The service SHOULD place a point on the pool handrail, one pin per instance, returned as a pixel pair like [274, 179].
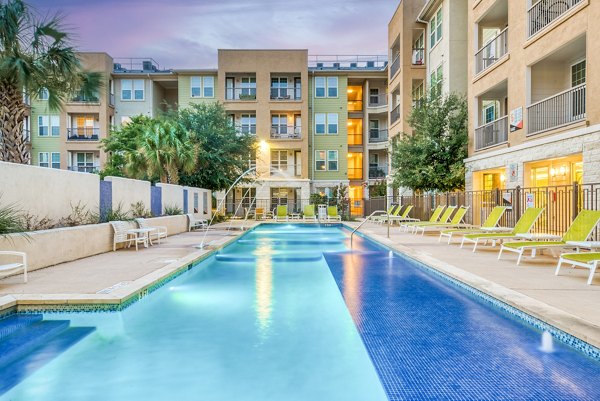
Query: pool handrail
[383, 212]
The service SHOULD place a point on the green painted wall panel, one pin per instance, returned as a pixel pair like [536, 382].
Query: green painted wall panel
[185, 97]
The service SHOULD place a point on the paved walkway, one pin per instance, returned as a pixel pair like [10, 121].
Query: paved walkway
[565, 301]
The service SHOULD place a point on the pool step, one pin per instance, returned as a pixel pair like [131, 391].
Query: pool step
[16, 322]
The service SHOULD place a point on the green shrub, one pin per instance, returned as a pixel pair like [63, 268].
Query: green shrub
[172, 210]
[138, 209]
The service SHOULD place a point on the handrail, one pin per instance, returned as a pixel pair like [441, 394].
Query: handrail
[571, 89]
[367, 219]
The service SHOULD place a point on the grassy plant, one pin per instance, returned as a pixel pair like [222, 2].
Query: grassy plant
[172, 210]
[35, 223]
[80, 215]
[11, 220]
[138, 209]
[116, 214]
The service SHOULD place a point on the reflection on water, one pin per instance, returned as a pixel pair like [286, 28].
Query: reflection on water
[352, 286]
[263, 303]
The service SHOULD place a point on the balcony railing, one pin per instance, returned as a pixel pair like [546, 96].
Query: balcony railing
[378, 135]
[561, 109]
[82, 98]
[26, 136]
[246, 129]
[492, 51]
[285, 132]
[355, 173]
[542, 13]
[240, 93]
[395, 114]
[378, 100]
[355, 105]
[111, 99]
[83, 134]
[85, 169]
[395, 67]
[286, 93]
[418, 56]
[492, 133]
[379, 171]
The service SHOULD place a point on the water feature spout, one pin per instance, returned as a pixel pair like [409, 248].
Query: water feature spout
[547, 342]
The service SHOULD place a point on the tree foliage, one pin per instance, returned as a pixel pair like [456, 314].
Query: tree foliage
[35, 53]
[431, 158]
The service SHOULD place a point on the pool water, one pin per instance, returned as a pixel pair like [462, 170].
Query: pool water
[288, 312]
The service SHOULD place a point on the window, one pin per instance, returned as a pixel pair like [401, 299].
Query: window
[578, 73]
[85, 160]
[208, 85]
[279, 160]
[435, 28]
[417, 94]
[48, 125]
[373, 96]
[320, 119]
[436, 79]
[249, 123]
[279, 124]
[248, 88]
[332, 87]
[202, 86]
[279, 88]
[196, 86]
[44, 94]
[55, 160]
[43, 159]
[319, 87]
[332, 160]
[332, 123]
[132, 89]
[320, 162]
[489, 112]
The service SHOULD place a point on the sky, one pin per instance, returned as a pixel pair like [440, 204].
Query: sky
[187, 33]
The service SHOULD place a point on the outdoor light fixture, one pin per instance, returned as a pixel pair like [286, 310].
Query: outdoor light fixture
[502, 177]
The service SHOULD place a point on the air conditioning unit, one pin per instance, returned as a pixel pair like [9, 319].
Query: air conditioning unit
[319, 65]
[147, 65]
[336, 65]
[117, 66]
[370, 64]
[353, 65]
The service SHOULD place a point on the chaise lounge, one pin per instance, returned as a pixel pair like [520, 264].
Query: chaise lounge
[490, 223]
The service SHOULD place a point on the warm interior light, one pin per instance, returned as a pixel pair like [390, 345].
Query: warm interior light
[264, 146]
[350, 90]
[350, 123]
[552, 172]
[502, 177]
[562, 170]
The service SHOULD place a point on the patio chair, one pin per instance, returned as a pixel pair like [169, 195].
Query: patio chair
[588, 260]
[444, 219]
[392, 211]
[194, 223]
[491, 222]
[123, 236]
[309, 213]
[456, 221]
[9, 269]
[523, 226]
[402, 217]
[579, 230]
[158, 233]
[281, 213]
[332, 214]
[435, 216]
[259, 213]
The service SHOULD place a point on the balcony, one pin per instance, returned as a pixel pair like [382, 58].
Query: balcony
[83, 98]
[355, 173]
[377, 172]
[395, 114]
[378, 135]
[418, 56]
[556, 111]
[245, 129]
[395, 67]
[243, 94]
[493, 50]
[491, 134]
[355, 105]
[111, 99]
[378, 100]
[85, 169]
[83, 134]
[286, 132]
[542, 13]
[282, 94]
[26, 136]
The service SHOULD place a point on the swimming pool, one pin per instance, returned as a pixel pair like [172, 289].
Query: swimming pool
[287, 312]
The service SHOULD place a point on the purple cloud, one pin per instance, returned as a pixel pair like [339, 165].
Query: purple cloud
[187, 33]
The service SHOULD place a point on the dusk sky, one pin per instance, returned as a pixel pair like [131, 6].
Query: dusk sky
[187, 33]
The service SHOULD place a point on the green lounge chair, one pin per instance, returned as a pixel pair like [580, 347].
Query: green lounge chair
[455, 222]
[402, 217]
[435, 217]
[281, 213]
[309, 213]
[392, 211]
[332, 214]
[491, 222]
[523, 226]
[580, 230]
[589, 260]
[444, 219]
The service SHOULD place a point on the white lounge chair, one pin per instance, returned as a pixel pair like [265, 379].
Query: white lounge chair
[122, 235]
[158, 232]
[194, 223]
[15, 267]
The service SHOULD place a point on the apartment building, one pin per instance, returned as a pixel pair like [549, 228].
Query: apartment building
[533, 119]
[69, 138]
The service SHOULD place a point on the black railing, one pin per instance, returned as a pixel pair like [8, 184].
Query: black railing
[83, 134]
[240, 93]
[556, 111]
[285, 132]
[246, 129]
[492, 134]
[83, 98]
[111, 99]
[355, 105]
[395, 114]
[542, 13]
[379, 171]
[85, 169]
[395, 67]
[378, 100]
[493, 51]
[378, 135]
[294, 93]
[26, 136]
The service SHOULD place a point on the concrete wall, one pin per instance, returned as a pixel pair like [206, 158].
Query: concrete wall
[50, 247]
[43, 192]
[172, 195]
[204, 202]
[126, 191]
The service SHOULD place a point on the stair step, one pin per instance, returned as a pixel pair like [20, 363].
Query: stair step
[19, 369]
[29, 338]
[15, 322]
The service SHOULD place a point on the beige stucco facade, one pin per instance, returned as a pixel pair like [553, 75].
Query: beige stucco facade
[525, 61]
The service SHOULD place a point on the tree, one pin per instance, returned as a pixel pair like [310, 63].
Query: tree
[164, 149]
[224, 151]
[122, 142]
[431, 158]
[35, 55]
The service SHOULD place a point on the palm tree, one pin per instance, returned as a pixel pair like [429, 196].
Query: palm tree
[165, 148]
[35, 55]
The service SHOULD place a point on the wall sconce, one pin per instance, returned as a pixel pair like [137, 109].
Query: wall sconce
[561, 172]
[502, 177]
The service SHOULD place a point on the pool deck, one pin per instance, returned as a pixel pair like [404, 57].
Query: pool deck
[565, 301]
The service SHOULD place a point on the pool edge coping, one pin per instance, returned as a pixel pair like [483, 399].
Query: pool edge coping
[552, 316]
